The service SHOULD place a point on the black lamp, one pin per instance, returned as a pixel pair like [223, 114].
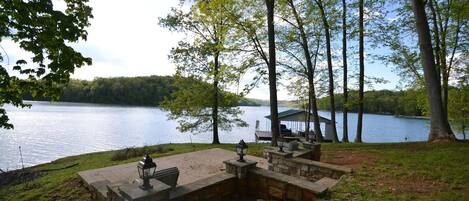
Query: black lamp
[146, 170]
[242, 150]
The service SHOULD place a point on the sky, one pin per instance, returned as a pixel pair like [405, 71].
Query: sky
[124, 39]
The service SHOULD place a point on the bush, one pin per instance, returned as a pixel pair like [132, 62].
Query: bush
[132, 152]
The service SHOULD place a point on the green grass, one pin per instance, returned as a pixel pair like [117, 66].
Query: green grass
[405, 171]
[393, 171]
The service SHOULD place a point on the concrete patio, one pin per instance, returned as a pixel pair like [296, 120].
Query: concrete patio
[192, 166]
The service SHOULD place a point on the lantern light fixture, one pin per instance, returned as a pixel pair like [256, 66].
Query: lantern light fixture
[146, 170]
[241, 149]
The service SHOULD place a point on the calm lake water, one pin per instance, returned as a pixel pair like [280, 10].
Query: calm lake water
[48, 131]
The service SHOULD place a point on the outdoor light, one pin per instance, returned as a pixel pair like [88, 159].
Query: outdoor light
[280, 144]
[241, 149]
[146, 170]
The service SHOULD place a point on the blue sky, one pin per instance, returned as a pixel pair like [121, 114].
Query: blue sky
[125, 40]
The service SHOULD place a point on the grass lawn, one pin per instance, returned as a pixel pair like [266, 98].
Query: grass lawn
[401, 171]
[397, 171]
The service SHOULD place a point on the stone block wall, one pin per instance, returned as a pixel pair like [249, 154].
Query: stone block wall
[267, 185]
[253, 184]
[303, 168]
[219, 187]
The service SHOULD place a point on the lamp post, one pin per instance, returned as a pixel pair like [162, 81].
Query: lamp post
[146, 170]
[241, 149]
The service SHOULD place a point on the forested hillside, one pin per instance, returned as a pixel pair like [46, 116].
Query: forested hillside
[149, 90]
[409, 102]
[144, 91]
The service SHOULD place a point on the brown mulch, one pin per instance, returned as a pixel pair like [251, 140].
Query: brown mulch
[353, 159]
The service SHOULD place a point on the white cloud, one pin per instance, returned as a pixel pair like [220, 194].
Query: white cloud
[124, 39]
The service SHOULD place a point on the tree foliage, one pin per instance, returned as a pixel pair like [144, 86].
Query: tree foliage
[411, 102]
[191, 108]
[448, 21]
[458, 110]
[144, 91]
[141, 91]
[299, 44]
[205, 55]
[45, 32]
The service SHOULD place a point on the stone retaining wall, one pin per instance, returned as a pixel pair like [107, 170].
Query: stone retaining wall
[216, 188]
[300, 167]
[259, 184]
[268, 185]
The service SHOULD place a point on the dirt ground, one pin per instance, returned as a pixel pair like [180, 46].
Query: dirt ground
[353, 159]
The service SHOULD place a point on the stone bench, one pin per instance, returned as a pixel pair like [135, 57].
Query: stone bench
[168, 176]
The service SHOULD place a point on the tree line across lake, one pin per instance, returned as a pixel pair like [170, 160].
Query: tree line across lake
[141, 91]
[410, 102]
[152, 90]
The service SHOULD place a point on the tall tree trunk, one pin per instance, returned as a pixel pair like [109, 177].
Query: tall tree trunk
[436, 38]
[344, 60]
[439, 125]
[308, 118]
[330, 70]
[310, 71]
[445, 71]
[216, 140]
[275, 124]
[314, 105]
[361, 79]
[464, 131]
[443, 25]
[445, 89]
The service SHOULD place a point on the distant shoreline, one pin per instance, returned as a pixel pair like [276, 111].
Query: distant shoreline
[412, 117]
[261, 105]
[108, 104]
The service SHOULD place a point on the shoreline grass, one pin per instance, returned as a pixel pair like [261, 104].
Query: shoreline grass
[389, 171]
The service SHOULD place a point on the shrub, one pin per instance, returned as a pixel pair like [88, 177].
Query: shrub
[132, 152]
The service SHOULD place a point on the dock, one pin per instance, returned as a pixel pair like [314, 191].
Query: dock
[267, 136]
[297, 120]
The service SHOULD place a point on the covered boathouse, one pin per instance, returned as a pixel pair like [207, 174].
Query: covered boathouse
[296, 121]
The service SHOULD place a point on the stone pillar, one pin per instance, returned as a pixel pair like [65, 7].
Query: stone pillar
[277, 160]
[316, 148]
[238, 168]
[316, 151]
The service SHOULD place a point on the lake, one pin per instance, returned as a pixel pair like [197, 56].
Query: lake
[48, 131]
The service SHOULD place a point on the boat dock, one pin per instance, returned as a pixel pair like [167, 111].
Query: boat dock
[298, 119]
[267, 136]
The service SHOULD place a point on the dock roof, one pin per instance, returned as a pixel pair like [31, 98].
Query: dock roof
[298, 116]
